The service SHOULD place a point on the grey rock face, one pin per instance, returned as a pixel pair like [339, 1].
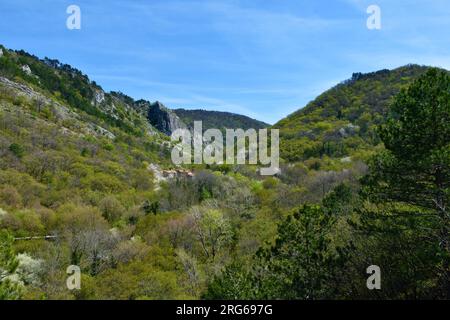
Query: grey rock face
[160, 117]
[61, 111]
[26, 69]
[348, 130]
[99, 96]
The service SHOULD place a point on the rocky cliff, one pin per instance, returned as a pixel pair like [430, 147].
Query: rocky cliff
[159, 116]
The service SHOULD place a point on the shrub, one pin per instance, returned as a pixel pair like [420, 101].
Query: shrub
[17, 150]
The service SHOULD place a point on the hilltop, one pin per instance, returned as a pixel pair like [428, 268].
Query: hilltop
[342, 121]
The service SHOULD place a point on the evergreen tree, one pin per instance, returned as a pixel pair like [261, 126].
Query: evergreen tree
[411, 179]
[300, 265]
[234, 283]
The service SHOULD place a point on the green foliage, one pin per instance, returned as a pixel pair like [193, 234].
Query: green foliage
[67, 85]
[337, 201]
[85, 166]
[344, 118]
[234, 283]
[321, 253]
[410, 182]
[111, 208]
[218, 120]
[17, 150]
[138, 281]
[150, 207]
[9, 290]
[299, 264]
[415, 169]
[212, 229]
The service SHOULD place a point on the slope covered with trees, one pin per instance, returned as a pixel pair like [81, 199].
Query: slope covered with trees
[83, 182]
[342, 121]
[399, 221]
[219, 120]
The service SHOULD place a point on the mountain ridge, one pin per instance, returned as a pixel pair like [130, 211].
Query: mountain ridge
[113, 107]
[218, 119]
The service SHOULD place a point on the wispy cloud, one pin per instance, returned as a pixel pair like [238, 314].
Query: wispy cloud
[261, 58]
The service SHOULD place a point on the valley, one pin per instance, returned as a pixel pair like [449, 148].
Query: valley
[87, 180]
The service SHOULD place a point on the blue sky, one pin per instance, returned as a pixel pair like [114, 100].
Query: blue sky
[261, 58]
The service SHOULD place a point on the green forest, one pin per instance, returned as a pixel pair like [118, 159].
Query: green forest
[219, 120]
[364, 180]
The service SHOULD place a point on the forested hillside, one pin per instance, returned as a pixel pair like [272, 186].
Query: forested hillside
[342, 121]
[219, 120]
[395, 218]
[86, 180]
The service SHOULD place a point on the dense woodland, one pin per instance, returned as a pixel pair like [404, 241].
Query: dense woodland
[219, 120]
[364, 180]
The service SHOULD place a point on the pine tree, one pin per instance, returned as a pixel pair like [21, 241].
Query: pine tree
[300, 265]
[413, 175]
